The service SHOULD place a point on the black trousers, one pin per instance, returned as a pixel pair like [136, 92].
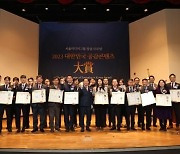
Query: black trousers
[100, 114]
[140, 112]
[85, 110]
[116, 111]
[163, 123]
[38, 109]
[110, 111]
[176, 108]
[46, 109]
[147, 110]
[24, 109]
[13, 111]
[154, 114]
[130, 111]
[2, 108]
[76, 110]
[69, 115]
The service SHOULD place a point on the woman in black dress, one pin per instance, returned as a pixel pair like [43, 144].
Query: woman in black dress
[163, 112]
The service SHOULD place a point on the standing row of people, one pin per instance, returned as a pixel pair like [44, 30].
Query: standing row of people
[86, 90]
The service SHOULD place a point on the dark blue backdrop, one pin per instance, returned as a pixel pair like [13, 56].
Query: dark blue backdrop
[84, 49]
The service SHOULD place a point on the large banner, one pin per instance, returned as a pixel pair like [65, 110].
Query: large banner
[84, 49]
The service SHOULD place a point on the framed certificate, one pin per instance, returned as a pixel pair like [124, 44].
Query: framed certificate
[71, 97]
[101, 98]
[134, 98]
[39, 96]
[23, 98]
[6, 97]
[175, 95]
[55, 95]
[148, 99]
[118, 98]
[163, 100]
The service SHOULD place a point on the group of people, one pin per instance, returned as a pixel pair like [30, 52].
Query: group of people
[87, 89]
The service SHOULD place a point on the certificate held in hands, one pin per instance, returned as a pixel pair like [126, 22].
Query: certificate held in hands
[148, 99]
[134, 98]
[117, 97]
[55, 95]
[39, 96]
[71, 98]
[101, 98]
[175, 95]
[6, 97]
[163, 100]
[23, 98]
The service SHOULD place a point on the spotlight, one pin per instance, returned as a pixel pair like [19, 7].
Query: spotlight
[145, 10]
[107, 10]
[127, 9]
[23, 10]
[46, 8]
[84, 8]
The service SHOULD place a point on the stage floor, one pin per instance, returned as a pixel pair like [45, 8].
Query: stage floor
[105, 139]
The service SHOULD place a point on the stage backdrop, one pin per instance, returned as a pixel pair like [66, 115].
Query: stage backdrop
[84, 49]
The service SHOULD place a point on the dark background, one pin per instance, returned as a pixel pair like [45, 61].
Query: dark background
[111, 36]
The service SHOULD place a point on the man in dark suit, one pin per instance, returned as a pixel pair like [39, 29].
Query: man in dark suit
[6, 87]
[85, 103]
[137, 87]
[152, 87]
[146, 109]
[130, 110]
[23, 87]
[69, 109]
[15, 87]
[176, 105]
[38, 108]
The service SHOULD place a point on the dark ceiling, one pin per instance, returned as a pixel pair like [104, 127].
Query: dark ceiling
[84, 10]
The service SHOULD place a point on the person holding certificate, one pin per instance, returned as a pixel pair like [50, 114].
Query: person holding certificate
[146, 109]
[137, 86]
[85, 104]
[22, 87]
[122, 88]
[130, 110]
[6, 87]
[14, 89]
[100, 108]
[163, 112]
[38, 108]
[54, 107]
[107, 88]
[173, 85]
[69, 109]
[153, 87]
[116, 110]
[47, 84]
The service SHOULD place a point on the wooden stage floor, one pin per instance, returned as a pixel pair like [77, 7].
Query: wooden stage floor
[105, 139]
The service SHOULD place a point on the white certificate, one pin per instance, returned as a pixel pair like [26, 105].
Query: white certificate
[23, 98]
[118, 98]
[101, 98]
[6, 97]
[163, 100]
[55, 95]
[71, 98]
[148, 99]
[134, 98]
[39, 96]
[175, 95]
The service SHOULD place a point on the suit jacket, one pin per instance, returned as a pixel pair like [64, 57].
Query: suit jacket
[36, 87]
[70, 88]
[3, 88]
[86, 98]
[25, 89]
[176, 86]
[145, 89]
